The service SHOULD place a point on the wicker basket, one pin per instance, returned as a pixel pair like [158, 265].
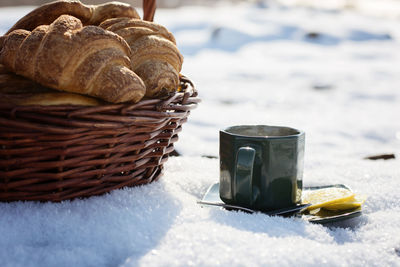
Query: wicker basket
[54, 153]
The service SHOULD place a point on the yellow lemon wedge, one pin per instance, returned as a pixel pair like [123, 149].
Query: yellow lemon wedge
[355, 203]
[327, 196]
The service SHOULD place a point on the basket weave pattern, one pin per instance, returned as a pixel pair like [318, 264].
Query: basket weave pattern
[54, 153]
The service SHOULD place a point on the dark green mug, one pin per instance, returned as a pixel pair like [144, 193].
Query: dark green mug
[261, 167]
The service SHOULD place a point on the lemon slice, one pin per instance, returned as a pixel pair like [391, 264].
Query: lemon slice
[327, 196]
[357, 202]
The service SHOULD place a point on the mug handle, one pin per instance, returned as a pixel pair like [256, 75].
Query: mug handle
[243, 180]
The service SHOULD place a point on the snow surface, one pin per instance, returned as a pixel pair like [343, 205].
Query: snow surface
[252, 64]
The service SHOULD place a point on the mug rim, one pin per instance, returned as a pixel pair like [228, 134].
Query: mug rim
[299, 132]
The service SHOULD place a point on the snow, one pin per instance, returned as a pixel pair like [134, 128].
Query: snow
[252, 64]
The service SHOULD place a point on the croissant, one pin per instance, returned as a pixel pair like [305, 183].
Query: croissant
[88, 14]
[18, 90]
[69, 57]
[155, 57]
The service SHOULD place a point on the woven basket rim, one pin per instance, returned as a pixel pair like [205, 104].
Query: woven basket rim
[150, 111]
[189, 90]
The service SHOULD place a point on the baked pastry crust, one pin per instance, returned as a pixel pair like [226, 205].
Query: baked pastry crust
[155, 57]
[88, 14]
[68, 56]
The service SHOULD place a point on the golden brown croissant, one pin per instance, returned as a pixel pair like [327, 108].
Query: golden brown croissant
[155, 57]
[18, 90]
[69, 57]
[88, 14]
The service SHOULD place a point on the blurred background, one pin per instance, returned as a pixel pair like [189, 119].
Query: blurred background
[375, 7]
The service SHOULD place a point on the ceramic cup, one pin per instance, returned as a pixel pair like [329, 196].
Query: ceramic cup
[261, 167]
